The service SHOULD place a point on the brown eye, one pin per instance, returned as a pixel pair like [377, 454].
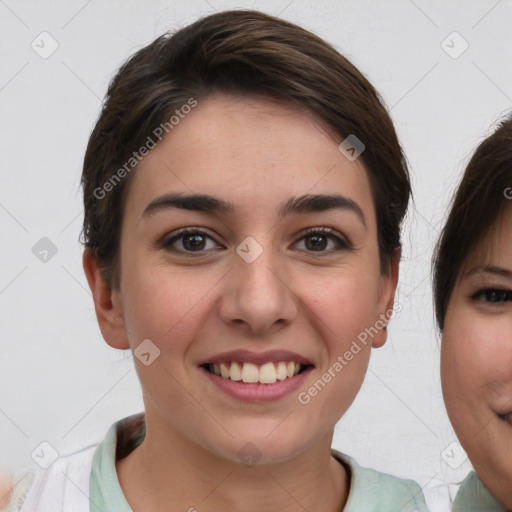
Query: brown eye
[189, 241]
[193, 242]
[317, 240]
[494, 295]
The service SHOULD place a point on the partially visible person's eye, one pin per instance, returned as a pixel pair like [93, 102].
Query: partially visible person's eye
[493, 295]
[189, 241]
[317, 240]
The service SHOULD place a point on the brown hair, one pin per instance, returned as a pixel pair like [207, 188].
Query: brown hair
[235, 52]
[480, 198]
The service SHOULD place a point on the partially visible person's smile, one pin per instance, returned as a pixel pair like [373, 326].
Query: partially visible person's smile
[477, 358]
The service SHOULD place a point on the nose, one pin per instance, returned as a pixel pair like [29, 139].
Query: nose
[258, 296]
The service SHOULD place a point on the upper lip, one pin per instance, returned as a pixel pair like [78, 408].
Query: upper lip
[248, 356]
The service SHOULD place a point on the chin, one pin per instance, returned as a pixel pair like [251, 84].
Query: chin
[260, 448]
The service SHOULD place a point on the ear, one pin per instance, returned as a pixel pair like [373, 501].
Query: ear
[107, 303]
[387, 287]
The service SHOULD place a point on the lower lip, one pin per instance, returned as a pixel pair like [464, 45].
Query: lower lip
[258, 392]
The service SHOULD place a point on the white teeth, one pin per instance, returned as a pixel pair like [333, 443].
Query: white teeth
[224, 372]
[235, 372]
[268, 373]
[250, 373]
[281, 371]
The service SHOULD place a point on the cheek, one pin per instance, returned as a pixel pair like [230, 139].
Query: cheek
[347, 307]
[163, 305]
[476, 359]
[494, 338]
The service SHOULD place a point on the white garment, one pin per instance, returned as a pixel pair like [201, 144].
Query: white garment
[69, 475]
[66, 485]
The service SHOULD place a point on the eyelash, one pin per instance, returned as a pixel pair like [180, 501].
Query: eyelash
[342, 243]
[484, 295]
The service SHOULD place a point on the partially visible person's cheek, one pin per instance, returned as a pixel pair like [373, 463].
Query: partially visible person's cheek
[495, 355]
[477, 359]
[477, 387]
[465, 365]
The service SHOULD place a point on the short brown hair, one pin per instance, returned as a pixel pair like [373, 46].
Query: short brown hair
[245, 53]
[480, 199]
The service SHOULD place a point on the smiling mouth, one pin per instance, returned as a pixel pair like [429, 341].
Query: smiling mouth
[506, 417]
[250, 373]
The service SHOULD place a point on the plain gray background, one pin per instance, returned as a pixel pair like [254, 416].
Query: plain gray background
[59, 381]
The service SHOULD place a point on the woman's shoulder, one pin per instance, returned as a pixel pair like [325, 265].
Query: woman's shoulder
[474, 496]
[374, 491]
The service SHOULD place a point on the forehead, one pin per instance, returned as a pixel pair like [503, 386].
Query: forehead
[495, 246]
[249, 149]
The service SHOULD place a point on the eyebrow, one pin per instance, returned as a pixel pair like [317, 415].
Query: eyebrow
[489, 269]
[308, 203]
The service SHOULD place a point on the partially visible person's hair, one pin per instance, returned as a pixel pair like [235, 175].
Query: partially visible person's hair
[482, 195]
[245, 53]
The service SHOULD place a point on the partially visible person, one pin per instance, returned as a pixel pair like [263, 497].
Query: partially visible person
[473, 304]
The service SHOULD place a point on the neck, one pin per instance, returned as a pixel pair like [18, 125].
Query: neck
[169, 472]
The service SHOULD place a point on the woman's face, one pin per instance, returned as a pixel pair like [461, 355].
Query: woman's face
[477, 359]
[267, 275]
